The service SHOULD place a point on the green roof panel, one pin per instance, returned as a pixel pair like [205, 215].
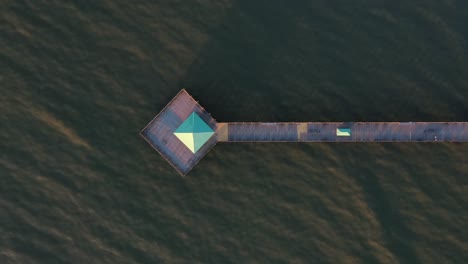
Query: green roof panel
[343, 132]
[199, 125]
[194, 132]
[199, 139]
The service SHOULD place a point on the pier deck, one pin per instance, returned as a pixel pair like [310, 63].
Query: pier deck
[159, 133]
[360, 132]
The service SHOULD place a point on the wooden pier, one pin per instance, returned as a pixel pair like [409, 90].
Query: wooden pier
[360, 132]
[159, 133]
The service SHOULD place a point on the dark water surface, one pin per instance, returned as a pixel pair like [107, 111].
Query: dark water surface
[79, 79]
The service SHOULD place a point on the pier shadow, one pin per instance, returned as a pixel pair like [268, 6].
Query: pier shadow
[311, 61]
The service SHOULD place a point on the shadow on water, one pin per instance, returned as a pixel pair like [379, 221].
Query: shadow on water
[326, 62]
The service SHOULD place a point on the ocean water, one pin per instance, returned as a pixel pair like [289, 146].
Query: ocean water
[80, 79]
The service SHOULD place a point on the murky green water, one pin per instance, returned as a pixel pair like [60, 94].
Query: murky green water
[79, 79]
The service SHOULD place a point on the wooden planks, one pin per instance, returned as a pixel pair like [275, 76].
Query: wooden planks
[390, 132]
[262, 132]
[222, 131]
[360, 132]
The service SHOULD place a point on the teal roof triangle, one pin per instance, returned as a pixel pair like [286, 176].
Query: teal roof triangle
[187, 125]
[200, 126]
[193, 124]
[200, 139]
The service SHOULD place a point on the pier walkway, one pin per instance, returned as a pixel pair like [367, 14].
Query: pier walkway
[359, 132]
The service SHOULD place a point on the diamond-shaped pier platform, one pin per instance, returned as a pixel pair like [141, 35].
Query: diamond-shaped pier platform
[183, 132]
